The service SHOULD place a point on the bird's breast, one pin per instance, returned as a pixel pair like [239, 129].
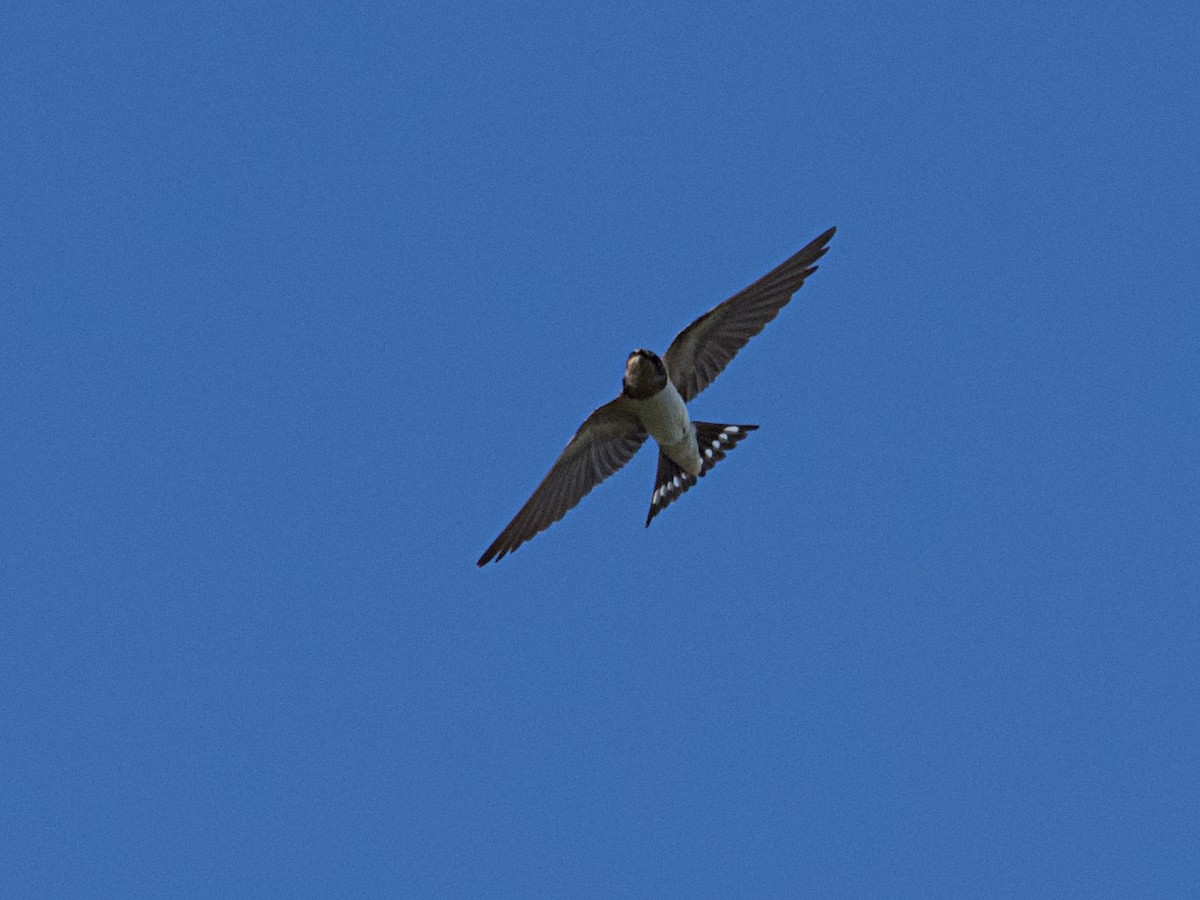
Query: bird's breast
[664, 415]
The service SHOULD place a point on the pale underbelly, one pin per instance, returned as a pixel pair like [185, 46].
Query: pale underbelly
[666, 419]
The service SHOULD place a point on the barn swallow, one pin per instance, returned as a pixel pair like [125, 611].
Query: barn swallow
[652, 403]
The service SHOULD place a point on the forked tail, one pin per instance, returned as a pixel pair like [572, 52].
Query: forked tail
[672, 482]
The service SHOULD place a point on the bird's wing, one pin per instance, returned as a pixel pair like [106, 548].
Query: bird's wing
[701, 351]
[604, 442]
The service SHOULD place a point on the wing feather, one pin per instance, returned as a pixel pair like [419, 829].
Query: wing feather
[701, 351]
[606, 441]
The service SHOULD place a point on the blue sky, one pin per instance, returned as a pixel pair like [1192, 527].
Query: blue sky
[300, 304]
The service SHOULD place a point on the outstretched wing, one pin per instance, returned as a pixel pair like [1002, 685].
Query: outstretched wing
[604, 442]
[701, 351]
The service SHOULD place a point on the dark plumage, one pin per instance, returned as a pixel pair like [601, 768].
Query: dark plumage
[652, 403]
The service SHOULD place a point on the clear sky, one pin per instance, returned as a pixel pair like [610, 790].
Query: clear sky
[299, 303]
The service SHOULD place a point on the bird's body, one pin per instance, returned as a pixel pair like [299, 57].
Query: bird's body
[653, 403]
[650, 394]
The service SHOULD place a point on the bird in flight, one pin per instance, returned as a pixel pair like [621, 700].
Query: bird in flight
[652, 403]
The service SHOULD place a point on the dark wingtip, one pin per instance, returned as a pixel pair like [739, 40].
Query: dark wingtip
[815, 249]
[819, 245]
[821, 241]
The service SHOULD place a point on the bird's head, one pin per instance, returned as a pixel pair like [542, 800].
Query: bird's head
[645, 374]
